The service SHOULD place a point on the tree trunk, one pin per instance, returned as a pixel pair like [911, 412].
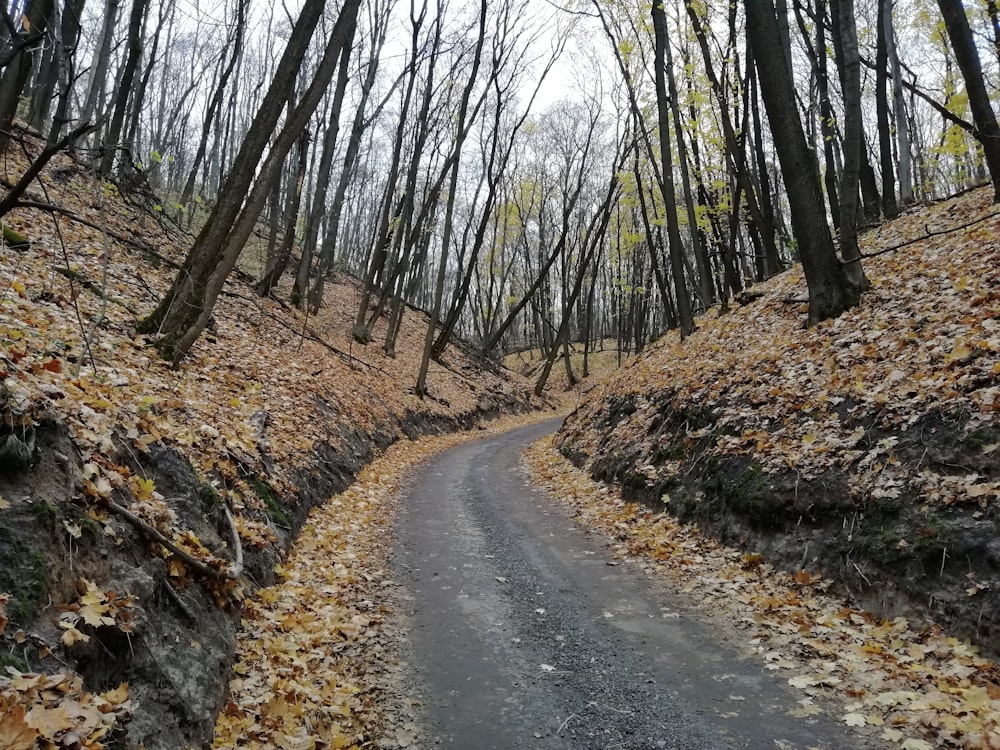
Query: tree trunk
[903, 152]
[134, 54]
[463, 130]
[987, 130]
[889, 205]
[15, 75]
[853, 146]
[382, 239]
[675, 245]
[830, 292]
[277, 261]
[185, 309]
[705, 291]
[212, 111]
[314, 219]
[99, 70]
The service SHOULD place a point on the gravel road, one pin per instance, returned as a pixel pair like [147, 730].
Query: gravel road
[524, 632]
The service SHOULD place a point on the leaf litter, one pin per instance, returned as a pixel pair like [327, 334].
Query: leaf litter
[263, 391]
[844, 396]
[916, 686]
[315, 653]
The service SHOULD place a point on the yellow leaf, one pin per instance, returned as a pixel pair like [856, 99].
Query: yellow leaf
[50, 721]
[142, 489]
[18, 287]
[809, 438]
[117, 696]
[72, 636]
[15, 733]
[95, 615]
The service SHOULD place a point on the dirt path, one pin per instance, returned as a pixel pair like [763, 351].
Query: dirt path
[525, 632]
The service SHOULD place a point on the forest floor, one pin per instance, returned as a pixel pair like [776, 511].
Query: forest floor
[897, 678]
[141, 504]
[120, 628]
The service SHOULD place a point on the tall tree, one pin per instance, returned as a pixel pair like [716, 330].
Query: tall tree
[853, 143]
[24, 47]
[463, 125]
[675, 245]
[830, 291]
[987, 131]
[884, 27]
[185, 310]
[122, 98]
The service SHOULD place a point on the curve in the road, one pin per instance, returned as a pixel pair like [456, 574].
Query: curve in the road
[524, 632]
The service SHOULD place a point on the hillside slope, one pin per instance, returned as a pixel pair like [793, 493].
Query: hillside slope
[138, 503]
[865, 448]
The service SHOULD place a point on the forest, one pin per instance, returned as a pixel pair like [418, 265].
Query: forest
[530, 176]
[262, 262]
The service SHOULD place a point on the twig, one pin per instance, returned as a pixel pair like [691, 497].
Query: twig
[237, 569]
[563, 725]
[181, 604]
[137, 244]
[930, 233]
[310, 334]
[94, 287]
[88, 341]
[37, 165]
[861, 574]
[231, 574]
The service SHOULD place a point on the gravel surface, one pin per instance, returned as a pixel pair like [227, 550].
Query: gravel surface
[524, 631]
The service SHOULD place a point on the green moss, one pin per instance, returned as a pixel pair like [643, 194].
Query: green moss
[982, 437]
[209, 497]
[274, 509]
[361, 334]
[45, 513]
[9, 660]
[674, 450]
[79, 516]
[931, 541]
[879, 544]
[748, 493]
[24, 575]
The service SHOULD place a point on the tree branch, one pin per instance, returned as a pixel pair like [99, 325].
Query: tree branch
[137, 244]
[930, 233]
[37, 165]
[231, 574]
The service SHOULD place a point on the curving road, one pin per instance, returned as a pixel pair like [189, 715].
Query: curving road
[523, 634]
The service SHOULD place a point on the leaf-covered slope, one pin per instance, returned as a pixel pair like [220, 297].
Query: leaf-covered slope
[865, 446]
[103, 446]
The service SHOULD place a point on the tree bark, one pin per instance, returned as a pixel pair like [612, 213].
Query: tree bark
[463, 130]
[185, 310]
[117, 123]
[889, 206]
[853, 146]
[277, 261]
[675, 245]
[830, 292]
[987, 131]
[16, 73]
